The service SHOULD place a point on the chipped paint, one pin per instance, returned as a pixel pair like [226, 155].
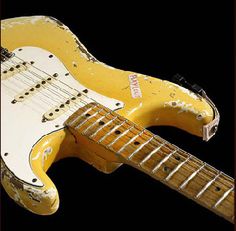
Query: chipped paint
[184, 90]
[74, 63]
[37, 156]
[44, 200]
[28, 196]
[183, 106]
[35, 19]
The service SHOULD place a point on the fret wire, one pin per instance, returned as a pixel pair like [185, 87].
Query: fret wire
[139, 148]
[223, 197]
[47, 74]
[229, 179]
[191, 177]
[91, 125]
[177, 168]
[90, 117]
[152, 153]
[130, 141]
[76, 119]
[156, 136]
[106, 124]
[101, 118]
[112, 130]
[207, 186]
[163, 160]
[118, 137]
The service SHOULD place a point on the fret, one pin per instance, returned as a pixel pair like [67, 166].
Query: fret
[157, 157]
[91, 125]
[223, 197]
[152, 153]
[177, 168]
[163, 160]
[140, 147]
[191, 177]
[90, 117]
[207, 185]
[84, 113]
[103, 126]
[131, 140]
[111, 131]
[118, 137]
[97, 121]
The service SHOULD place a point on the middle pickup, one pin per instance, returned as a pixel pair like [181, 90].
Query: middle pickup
[62, 108]
[29, 92]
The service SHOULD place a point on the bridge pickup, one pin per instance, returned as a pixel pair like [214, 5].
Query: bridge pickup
[14, 69]
[62, 108]
[32, 90]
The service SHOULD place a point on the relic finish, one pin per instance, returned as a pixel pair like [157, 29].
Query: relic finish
[82, 107]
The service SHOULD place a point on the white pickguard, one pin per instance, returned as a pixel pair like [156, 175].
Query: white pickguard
[21, 123]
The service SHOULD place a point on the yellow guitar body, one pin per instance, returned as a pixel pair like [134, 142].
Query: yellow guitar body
[147, 102]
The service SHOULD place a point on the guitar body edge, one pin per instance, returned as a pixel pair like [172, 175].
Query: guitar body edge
[148, 101]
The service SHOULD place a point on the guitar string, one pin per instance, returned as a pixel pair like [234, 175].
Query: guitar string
[65, 113]
[158, 142]
[26, 105]
[50, 90]
[165, 153]
[29, 85]
[202, 175]
[31, 100]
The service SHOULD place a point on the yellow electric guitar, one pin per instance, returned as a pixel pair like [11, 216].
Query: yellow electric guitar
[58, 101]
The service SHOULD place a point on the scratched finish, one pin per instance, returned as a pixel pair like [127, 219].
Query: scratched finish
[148, 101]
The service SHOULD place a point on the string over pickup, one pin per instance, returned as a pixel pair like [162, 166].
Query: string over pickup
[14, 69]
[62, 108]
[29, 92]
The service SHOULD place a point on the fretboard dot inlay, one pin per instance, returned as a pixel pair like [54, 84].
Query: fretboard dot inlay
[117, 132]
[155, 156]
[177, 157]
[166, 169]
[101, 123]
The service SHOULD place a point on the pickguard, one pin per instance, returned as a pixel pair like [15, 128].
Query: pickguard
[22, 121]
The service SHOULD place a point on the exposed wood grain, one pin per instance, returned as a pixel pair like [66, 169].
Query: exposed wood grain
[133, 145]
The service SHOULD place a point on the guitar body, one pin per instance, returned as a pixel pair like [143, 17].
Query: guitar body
[32, 145]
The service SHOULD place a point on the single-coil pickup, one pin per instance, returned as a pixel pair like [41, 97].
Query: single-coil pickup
[32, 90]
[62, 108]
[11, 71]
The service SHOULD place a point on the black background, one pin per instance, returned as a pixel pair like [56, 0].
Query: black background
[194, 38]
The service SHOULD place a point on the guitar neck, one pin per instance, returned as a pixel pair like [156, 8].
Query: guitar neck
[158, 158]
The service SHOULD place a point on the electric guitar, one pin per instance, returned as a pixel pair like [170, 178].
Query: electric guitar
[59, 101]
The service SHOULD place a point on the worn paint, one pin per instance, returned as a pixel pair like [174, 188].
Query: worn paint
[162, 103]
